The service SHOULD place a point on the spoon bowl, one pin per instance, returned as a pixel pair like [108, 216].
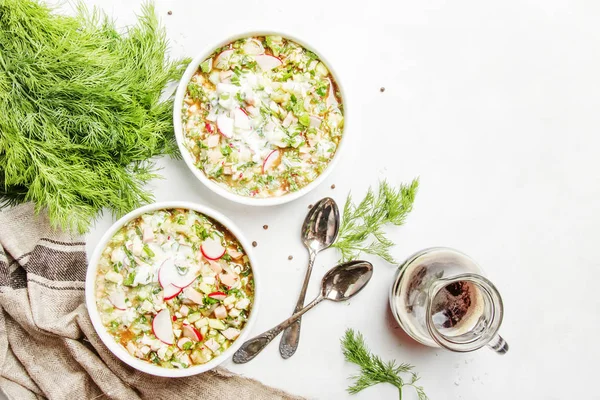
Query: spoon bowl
[321, 225]
[346, 280]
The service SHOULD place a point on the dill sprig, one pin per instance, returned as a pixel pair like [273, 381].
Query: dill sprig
[80, 110]
[374, 370]
[362, 225]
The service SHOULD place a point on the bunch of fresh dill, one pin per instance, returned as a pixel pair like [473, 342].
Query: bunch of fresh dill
[362, 225]
[80, 116]
[373, 369]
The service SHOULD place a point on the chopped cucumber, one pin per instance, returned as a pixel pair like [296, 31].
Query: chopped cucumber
[206, 66]
[216, 324]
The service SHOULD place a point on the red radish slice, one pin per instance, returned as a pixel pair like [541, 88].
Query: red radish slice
[315, 122]
[189, 331]
[241, 119]
[267, 62]
[212, 248]
[164, 276]
[171, 291]
[253, 47]
[222, 60]
[118, 299]
[270, 161]
[162, 327]
[185, 281]
[181, 342]
[193, 295]
[217, 295]
[225, 125]
[169, 274]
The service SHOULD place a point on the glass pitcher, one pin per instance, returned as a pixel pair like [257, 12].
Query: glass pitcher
[441, 299]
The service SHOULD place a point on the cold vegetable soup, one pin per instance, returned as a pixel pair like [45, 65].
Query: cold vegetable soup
[174, 288]
[262, 116]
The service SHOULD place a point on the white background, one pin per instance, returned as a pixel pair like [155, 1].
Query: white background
[495, 106]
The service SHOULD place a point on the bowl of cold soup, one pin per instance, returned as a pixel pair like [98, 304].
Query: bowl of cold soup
[260, 118]
[171, 289]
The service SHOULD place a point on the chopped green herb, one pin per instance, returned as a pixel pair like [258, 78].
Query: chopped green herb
[129, 280]
[80, 110]
[148, 250]
[209, 300]
[225, 150]
[362, 225]
[373, 370]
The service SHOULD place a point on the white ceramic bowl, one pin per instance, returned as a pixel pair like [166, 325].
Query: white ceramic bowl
[220, 190]
[119, 350]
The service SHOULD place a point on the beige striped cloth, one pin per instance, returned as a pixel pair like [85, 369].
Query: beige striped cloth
[48, 346]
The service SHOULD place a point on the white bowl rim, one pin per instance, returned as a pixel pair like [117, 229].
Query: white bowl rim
[119, 350]
[216, 188]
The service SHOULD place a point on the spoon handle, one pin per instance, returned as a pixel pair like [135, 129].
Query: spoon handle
[252, 347]
[291, 336]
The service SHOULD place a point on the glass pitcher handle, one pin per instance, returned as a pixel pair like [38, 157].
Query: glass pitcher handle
[498, 344]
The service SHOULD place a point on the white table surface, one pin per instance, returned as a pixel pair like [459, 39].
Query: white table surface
[495, 106]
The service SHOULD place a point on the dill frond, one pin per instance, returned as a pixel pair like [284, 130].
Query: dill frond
[362, 228]
[80, 110]
[373, 370]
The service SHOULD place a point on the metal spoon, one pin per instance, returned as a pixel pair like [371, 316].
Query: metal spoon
[319, 231]
[339, 284]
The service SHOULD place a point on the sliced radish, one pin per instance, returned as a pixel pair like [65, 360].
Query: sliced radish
[241, 119]
[117, 299]
[223, 59]
[170, 274]
[212, 248]
[225, 125]
[270, 161]
[253, 47]
[181, 342]
[193, 295]
[189, 331]
[315, 122]
[171, 291]
[162, 327]
[209, 128]
[217, 295]
[267, 62]
[164, 277]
